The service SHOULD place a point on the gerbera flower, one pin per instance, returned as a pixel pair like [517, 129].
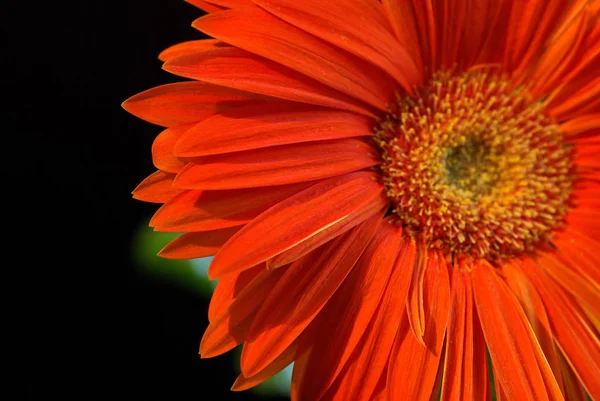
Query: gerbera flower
[389, 189]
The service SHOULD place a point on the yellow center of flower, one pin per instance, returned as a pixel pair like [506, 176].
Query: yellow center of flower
[473, 167]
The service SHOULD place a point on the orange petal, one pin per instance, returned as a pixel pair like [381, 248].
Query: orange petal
[584, 64]
[189, 47]
[302, 292]
[582, 126]
[495, 32]
[572, 331]
[481, 377]
[586, 157]
[459, 360]
[559, 55]
[574, 391]
[520, 368]
[295, 220]
[261, 126]
[415, 308]
[197, 245]
[287, 357]
[230, 328]
[401, 15]
[157, 188]
[259, 32]
[426, 25]
[211, 210]
[584, 100]
[336, 22]
[278, 165]
[578, 251]
[379, 204]
[237, 68]
[535, 311]
[417, 383]
[163, 155]
[586, 293]
[452, 20]
[482, 15]
[355, 381]
[229, 288]
[530, 24]
[353, 306]
[584, 221]
[185, 102]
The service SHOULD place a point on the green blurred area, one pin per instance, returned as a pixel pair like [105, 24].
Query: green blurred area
[192, 275]
[188, 274]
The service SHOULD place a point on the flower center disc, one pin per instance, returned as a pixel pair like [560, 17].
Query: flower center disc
[474, 167]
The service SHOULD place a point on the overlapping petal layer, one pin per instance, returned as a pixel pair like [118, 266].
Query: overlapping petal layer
[268, 163]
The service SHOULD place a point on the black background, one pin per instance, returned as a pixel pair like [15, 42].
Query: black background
[94, 328]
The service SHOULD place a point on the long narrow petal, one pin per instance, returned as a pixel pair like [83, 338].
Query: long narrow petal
[578, 251]
[452, 20]
[185, 102]
[580, 126]
[228, 289]
[278, 165]
[415, 305]
[417, 383]
[579, 344]
[189, 47]
[459, 360]
[295, 220]
[530, 24]
[287, 357]
[302, 292]
[197, 245]
[237, 68]
[585, 221]
[482, 15]
[401, 15]
[230, 328]
[574, 391]
[495, 32]
[356, 382]
[357, 26]
[157, 188]
[378, 206]
[519, 365]
[353, 306]
[585, 100]
[535, 311]
[425, 17]
[210, 210]
[560, 53]
[259, 32]
[261, 126]
[587, 294]
[481, 375]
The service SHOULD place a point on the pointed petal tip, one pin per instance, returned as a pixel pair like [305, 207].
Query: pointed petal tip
[241, 384]
[165, 255]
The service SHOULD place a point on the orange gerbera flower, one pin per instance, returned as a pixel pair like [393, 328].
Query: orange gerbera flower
[390, 187]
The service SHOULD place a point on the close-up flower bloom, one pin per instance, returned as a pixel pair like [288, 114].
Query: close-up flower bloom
[401, 197]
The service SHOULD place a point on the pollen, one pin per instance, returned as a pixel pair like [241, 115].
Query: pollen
[473, 166]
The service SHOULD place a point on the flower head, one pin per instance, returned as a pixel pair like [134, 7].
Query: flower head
[391, 189]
